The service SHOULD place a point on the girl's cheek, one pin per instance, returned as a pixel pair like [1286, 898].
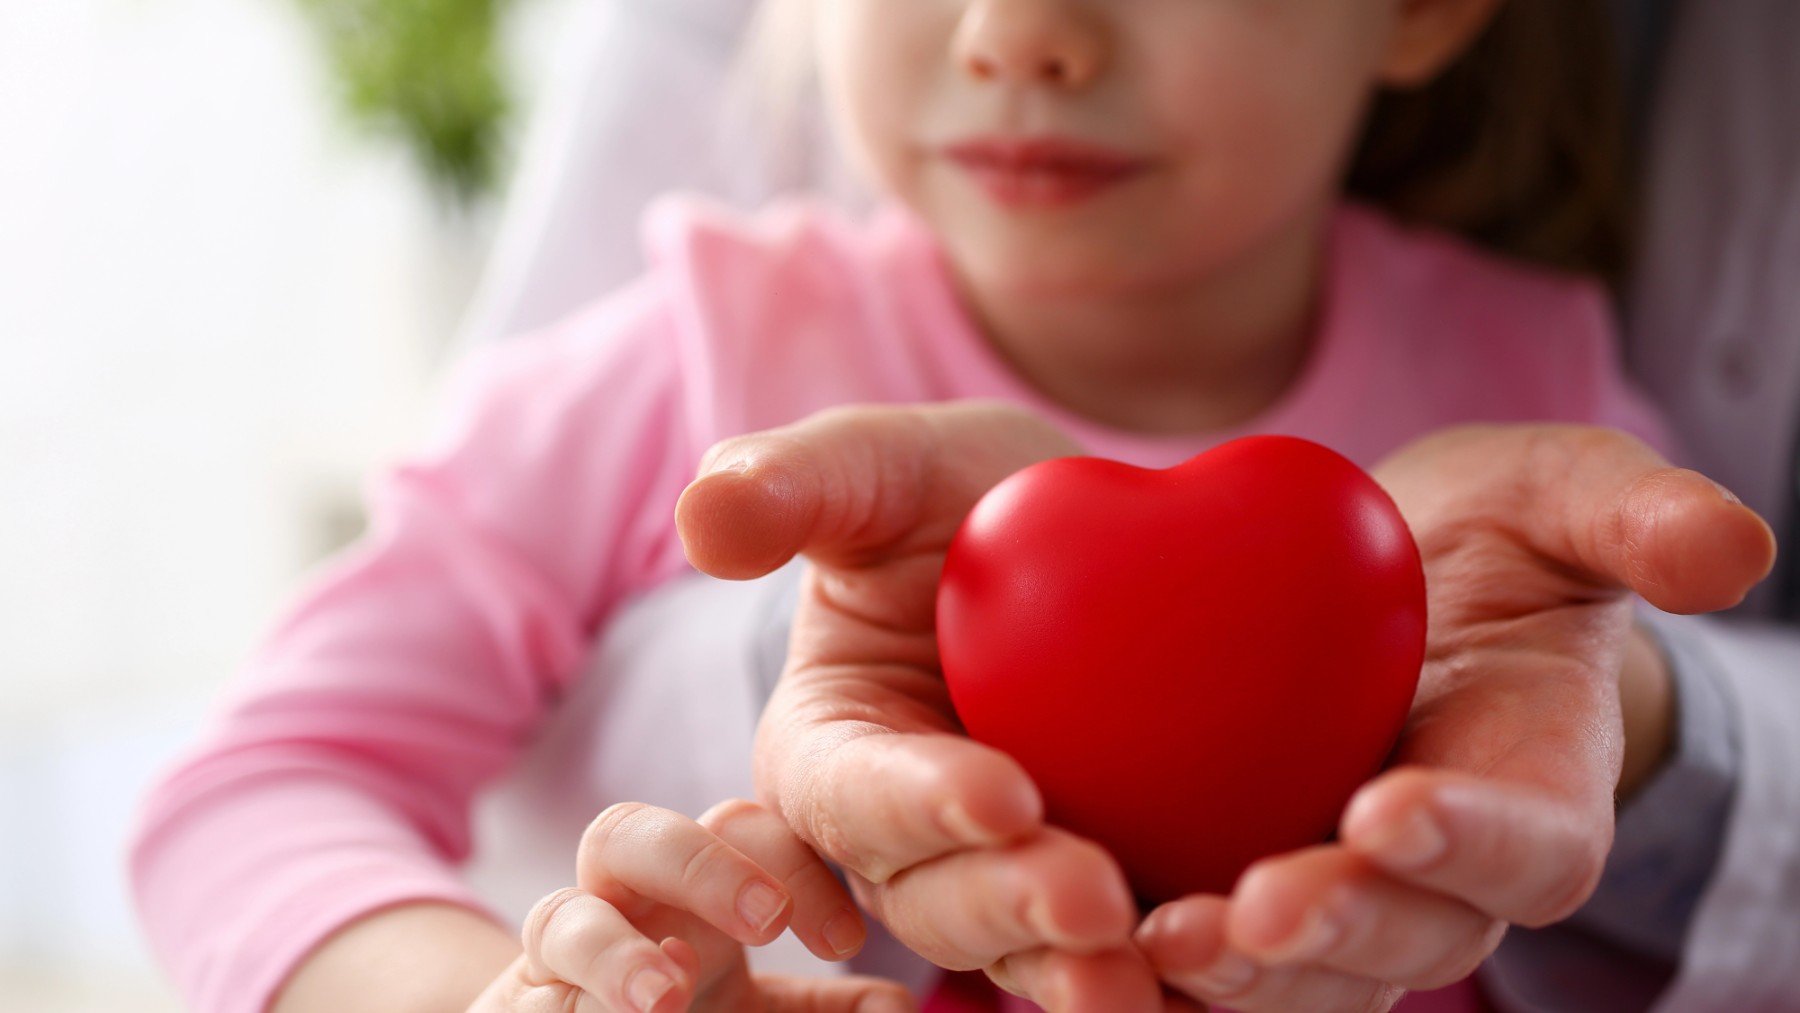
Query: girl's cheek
[1252, 126]
[875, 63]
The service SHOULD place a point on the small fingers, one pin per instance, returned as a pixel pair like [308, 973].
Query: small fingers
[1186, 942]
[633, 855]
[824, 918]
[970, 909]
[1508, 850]
[576, 938]
[1327, 907]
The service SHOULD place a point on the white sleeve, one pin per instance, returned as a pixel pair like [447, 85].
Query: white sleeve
[1743, 949]
[1739, 949]
[634, 108]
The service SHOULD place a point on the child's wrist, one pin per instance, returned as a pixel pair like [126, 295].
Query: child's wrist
[425, 957]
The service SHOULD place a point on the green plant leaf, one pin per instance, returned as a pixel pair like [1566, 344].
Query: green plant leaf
[428, 73]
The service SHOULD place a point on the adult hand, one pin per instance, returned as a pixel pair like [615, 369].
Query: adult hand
[664, 909]
[1500, 807]
[942, 838]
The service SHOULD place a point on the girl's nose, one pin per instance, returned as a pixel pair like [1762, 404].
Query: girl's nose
[1031, 42]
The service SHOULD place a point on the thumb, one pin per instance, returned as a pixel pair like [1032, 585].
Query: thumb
[1684, 543]
[1610, 507]
[853, 485]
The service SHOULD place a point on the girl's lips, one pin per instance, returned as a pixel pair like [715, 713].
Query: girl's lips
[1046, 172]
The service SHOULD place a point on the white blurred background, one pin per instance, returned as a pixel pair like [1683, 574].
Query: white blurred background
[219, 307]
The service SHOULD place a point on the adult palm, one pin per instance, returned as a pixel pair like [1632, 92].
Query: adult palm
[942, 838]
[1499, 807]
[1500, 810]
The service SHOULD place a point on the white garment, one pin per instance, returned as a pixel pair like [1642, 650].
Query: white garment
[1743, 950]
[651, 96]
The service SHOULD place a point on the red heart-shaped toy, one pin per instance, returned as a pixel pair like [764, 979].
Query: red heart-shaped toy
[1197, 666]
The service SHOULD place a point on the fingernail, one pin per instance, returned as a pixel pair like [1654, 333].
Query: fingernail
[759, 905]
[1037, 919]
[1153, 928]
[646, 987]
[960, 825]
[1226, 976]
[1730, 497]
[844, 933]
[1409, 844]
[1318, 933]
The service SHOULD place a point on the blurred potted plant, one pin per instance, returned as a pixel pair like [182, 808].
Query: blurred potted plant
[426, 72]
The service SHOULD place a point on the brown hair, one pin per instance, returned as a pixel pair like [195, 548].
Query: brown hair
[1519, 146]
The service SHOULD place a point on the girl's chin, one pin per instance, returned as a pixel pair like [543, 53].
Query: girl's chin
[1048, 255]
[1042, 270]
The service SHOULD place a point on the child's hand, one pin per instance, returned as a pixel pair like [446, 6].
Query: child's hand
[943, 837]
[664, 909]
[1503, 809]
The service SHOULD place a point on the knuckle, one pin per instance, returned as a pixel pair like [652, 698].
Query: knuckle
[617, 954]
[608, 824]
[600, 833]
[543, 914]
[729, 813]
[834, 842]
[701, 863]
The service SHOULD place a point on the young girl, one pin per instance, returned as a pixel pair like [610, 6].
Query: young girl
[1158, 224]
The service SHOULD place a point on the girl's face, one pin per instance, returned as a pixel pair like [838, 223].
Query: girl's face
[1104, 146]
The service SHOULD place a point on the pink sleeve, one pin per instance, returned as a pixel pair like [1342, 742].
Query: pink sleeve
[338, 780]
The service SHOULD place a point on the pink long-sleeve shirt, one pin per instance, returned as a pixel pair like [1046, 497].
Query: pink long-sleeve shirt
[421, 665]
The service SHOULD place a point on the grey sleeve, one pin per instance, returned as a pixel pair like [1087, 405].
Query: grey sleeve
[1671, 833]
